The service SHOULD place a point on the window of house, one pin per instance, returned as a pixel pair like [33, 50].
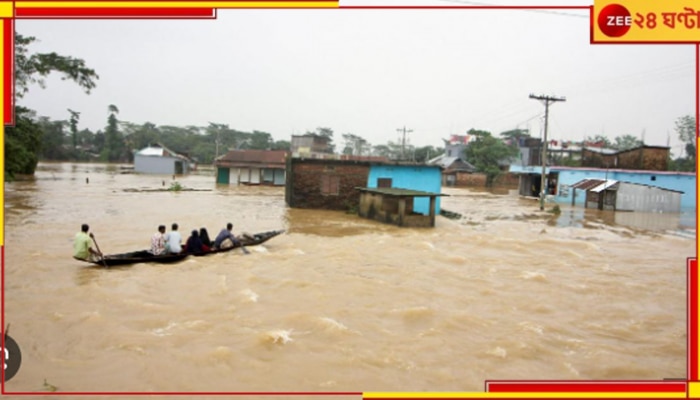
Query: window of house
[330, 185]
[384, 182]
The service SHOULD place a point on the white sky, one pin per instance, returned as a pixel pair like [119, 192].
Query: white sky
[370, 72]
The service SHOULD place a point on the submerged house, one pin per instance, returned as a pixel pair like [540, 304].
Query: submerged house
[640, 175]
[562, 181]
[402, 194]
[251, 167]
[334, 184]
[324, 183]
[159, 159]
[626, 196]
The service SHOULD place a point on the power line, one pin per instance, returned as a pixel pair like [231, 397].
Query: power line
[403, 141]
[547, 100]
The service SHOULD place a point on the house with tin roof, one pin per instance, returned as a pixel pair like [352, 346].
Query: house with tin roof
[251, 167]
[158, 159]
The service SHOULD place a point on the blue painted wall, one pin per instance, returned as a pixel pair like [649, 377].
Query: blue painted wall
[674, 181]
[427, 178]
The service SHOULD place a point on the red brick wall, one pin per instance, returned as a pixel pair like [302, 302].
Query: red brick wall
[478, 179]
[305, 187]
[655, 159]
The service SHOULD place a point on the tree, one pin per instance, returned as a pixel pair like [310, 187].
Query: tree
[686, 129]
[487, 153]
[260, 140]
[355, 145]
[53, 140]
[114, 142]
[425, 153]
[281, 145]
[33, 68]
[22, 144]
[326, 132]
[74, 118]
[626, 142]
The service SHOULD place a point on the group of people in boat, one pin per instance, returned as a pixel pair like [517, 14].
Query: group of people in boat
[198, 242]
[162, 243]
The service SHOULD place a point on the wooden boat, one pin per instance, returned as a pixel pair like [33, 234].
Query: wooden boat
[145, 256]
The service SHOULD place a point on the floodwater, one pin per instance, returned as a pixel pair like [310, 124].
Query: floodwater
[337, 303]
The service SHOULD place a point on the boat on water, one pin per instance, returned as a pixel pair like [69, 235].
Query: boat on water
[145, 256]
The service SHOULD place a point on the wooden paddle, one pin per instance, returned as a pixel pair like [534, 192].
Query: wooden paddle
[243, 247]
[99, 251]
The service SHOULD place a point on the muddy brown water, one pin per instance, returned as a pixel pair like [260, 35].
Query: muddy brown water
[338, 303]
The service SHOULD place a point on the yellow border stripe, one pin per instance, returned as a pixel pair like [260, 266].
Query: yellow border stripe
[524, 395]
[184, 4]
[7, 9]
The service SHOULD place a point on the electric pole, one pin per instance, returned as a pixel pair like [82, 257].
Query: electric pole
[547, 100]
[403, 141]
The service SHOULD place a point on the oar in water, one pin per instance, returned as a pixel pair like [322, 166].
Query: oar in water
[102, 258]
[243, 247]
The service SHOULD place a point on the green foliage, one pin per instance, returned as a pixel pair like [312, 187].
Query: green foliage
[515, 134]
[626, 142]
[22, 144]
[686, 129]
[53, 143]
[33, 68]
[488, 153]
[114, 141]
[175, 187]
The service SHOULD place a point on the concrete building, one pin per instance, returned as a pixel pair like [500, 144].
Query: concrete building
[417, 177]
[559, 181]
[397, 206]
[333, 184]
[160, 160]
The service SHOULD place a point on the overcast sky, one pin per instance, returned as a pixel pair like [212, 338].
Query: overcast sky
[371, 72]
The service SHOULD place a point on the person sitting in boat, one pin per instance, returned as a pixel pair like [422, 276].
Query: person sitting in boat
[194, 244]
[81, 246]
[225, 238]
[173, 240]
[204, 235]
[158, 241]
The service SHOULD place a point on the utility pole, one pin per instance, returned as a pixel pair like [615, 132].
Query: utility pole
[403, 141]
[547, 100]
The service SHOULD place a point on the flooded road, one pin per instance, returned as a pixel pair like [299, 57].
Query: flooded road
[338, 303]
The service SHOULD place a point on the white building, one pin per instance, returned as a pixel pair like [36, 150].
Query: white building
[160, 160]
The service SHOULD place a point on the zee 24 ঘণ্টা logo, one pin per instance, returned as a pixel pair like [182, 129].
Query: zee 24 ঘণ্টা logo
[13, 358]
[668, 21]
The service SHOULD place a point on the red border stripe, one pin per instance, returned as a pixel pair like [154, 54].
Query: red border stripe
[130, 12]
[563, 387]
[8, 71]
[692, 319]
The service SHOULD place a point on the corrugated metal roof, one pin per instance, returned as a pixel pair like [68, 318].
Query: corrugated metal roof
[606, 185]
[270, 157]
[595, 185]
[151, 151]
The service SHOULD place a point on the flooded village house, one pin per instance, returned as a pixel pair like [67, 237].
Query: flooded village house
[633, 180]
[391, 193]
[158, 159]
[251, 167]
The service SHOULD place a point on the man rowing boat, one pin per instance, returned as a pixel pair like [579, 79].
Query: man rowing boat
[82, 250]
